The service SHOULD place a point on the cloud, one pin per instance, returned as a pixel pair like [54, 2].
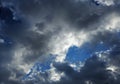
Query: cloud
[105, 2]
[37, 28]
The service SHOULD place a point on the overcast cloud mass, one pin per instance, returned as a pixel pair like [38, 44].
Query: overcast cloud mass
[37, 38]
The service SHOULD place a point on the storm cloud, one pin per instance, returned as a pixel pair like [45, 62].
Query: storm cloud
[31, 30]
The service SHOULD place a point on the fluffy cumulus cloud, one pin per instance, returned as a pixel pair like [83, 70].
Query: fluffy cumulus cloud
[44, 31]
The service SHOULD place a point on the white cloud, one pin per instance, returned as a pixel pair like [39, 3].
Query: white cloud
[64, 40]
[55, 76]
[2, 41]
[64, 36]
[113, 22]
[18, 59]
[106, 2]
[112, 68]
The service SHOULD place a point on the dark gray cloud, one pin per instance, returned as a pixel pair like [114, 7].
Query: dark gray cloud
[32, 23]
[94, 71]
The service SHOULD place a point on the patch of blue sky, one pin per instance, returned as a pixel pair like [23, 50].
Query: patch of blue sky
[44, 65]
[39, 67]
[76, 54]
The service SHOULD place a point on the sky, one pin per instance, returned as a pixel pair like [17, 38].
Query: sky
[59, 42]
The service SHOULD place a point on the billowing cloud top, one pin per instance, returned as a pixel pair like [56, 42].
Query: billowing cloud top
[59, 41]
